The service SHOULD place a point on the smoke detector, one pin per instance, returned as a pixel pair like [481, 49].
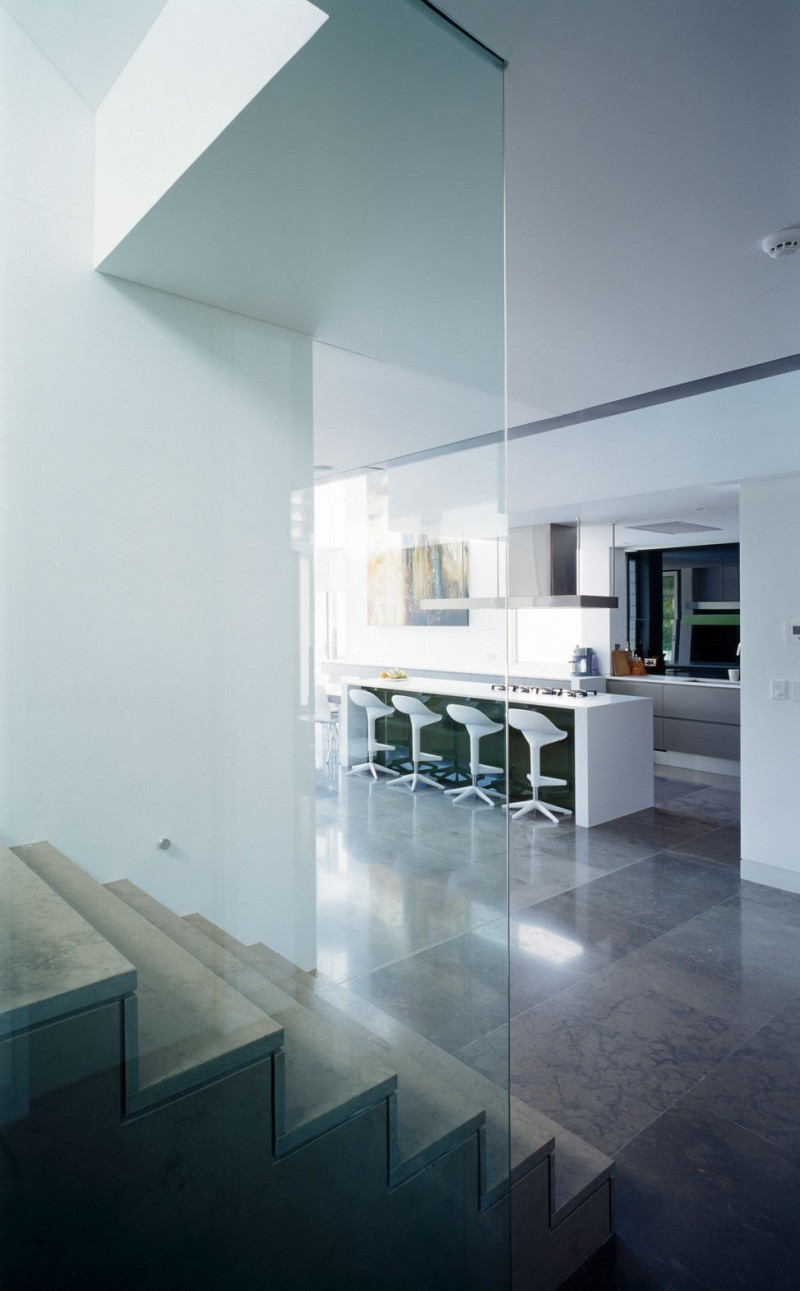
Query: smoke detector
[783, 243]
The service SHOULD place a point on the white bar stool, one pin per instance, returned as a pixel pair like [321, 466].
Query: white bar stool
[375, 708]
[419, 715]
[538, 731]
[478, 725]
[327, 718]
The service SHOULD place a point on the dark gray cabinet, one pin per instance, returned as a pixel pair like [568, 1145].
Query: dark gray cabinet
[653, 690]
[688, 718]
[707, 583]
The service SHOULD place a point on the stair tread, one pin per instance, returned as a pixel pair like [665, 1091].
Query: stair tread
[53, 961]
[431, 1117]
[190, 1026]
[412, 1053]
[579, 1167]
[326, 1080]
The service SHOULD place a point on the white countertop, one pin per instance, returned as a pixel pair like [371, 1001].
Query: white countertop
[483, 690]
[682, 681]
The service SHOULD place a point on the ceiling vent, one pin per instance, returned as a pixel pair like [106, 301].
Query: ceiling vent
[783, 243]
[676, 526]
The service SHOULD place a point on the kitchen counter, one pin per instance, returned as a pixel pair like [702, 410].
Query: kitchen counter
[681, 681]
[485, 690]
[608, 754]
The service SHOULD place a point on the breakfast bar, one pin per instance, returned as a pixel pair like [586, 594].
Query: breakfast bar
[606, 759]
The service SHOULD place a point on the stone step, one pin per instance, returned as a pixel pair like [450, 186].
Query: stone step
[184, 1026]
[577, 1168]
[530, 1142]
[326, 1054]
[52, 962]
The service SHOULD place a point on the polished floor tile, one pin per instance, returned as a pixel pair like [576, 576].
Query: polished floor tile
[589, 854]
[655, 1000]
[754, 947]
[665, 789]
[758, 1086]
[701, 1204]
[661, 891]
[404, 918]
[785, 906]
[607, 1056]
[723, 845]
[450, 993]
[656, 828]
[560, 941]
[726, 990]
[712, 806]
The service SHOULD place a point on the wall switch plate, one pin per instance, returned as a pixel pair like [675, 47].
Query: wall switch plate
[779, 690]
[796, 691]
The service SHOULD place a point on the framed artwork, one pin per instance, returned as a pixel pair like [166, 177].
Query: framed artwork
[403, 571]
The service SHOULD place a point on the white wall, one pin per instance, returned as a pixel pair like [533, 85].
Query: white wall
[769, 557]
[480, 647]
[195, 70]
[150, 601]
[428, 498]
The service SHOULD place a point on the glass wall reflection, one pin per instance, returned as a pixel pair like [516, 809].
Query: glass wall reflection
[242, 984]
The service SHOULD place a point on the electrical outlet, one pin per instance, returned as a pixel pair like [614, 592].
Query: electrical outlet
[779, 690]
[796, 691]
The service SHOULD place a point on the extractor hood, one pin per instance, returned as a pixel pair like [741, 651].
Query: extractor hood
[543, 569]
[543, 573]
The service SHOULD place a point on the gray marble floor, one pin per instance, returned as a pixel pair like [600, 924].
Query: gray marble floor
[654, 1003]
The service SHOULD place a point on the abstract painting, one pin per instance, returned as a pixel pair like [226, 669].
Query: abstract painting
[403, 571]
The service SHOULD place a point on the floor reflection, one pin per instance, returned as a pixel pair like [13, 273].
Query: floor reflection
[649, 988]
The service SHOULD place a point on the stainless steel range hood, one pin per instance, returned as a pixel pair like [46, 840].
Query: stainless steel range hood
[544, 569]
[543, 573]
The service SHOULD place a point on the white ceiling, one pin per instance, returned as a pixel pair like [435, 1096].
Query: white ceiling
[90, 41]
[649, 148]
[322, 206]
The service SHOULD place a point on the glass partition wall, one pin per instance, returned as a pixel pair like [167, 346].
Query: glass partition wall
[246, 983]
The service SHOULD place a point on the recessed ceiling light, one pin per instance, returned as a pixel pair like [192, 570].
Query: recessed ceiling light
[321, 470]
[675, 526]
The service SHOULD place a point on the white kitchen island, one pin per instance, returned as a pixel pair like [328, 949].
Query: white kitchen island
[612, 738]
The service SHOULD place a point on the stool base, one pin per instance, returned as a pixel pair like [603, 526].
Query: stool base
[374, 767]
[474, 790]
[535, 804]
[416, 777]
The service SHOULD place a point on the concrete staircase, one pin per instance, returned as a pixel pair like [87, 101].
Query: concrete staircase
[182, 1110]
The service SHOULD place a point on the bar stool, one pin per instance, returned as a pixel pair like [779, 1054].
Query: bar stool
[419, 715]
[327, 717]
[478, 725]
[375, 708]
[538, 731]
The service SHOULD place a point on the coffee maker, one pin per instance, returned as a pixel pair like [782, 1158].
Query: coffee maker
[582, 661]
